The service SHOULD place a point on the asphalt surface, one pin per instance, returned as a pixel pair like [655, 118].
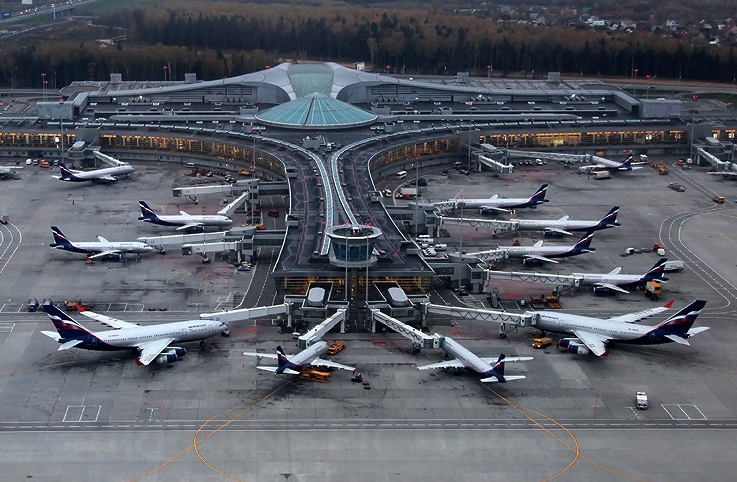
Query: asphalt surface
[89, 416]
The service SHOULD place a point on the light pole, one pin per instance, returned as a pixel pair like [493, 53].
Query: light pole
[43, 84]
[635, 85]
[460, 268]
[693, 122]
[165, 73]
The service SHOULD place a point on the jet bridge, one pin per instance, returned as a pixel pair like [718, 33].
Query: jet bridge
[180, 239]
[419, 339]
[192, 192]
[230, 208]
[495, 224]
[245, 314]
[566, 281]
[514, 319]
[718, 164]
[549, 156]
[109, 159]
[320, 330]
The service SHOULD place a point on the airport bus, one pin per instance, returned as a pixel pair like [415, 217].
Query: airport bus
[401, 174]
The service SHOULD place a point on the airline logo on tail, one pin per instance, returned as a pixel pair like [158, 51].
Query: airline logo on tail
[283, 361]
[147, 214]
[539, 196]
[610, 219]
[497, 370]
[66, 174]
[64, 324]
[584, 245]
[682, 321]
[656, 272]
[60, 241]
[626, 164]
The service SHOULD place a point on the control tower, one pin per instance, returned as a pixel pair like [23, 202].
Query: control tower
[352, 246]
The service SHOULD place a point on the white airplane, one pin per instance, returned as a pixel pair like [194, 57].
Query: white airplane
[153, 343]
[614, 281]
[594, 334]
[603, 164]
[105, 174]
[309, 357]
[99, 249]
[566, 226]
[495, 203]
[184, 221]
[537, 253]
[465, 358]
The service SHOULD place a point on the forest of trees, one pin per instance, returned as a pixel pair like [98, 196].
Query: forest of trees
[225, 38]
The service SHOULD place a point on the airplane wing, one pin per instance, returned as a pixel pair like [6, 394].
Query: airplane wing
[108, 178]
[287, 371]
[273, 356]
[540, 258]
[641, 315]
[319, 362]
[188, 226]
[723, 173]
[102, 254]
[493, 360]
[595, 343]
[506, 378]
[109, 320]
[455, 363]
[612, 287]
[494, 208]
[149, 350]
[558, 230]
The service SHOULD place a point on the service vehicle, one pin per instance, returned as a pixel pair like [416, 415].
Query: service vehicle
[641, 401]
[674, 265]
[718, 199]
[542, 342]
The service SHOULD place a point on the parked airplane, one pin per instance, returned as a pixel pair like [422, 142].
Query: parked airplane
[105, 174]
[465, 358]
[309, 357]
[98, 249]
[184, 221]
[594, 334]
[565, 225]
[153, 343]
[495, 203]
[537, 253]
[603, 164]
[613, 281]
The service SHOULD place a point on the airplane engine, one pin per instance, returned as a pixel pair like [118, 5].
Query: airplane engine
[113, 257]
[601, 291]
[573, 345]
[196, 229]
[178, 350]
[168, 356]
[531, 262]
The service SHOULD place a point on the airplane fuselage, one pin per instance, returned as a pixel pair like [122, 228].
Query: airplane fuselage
[621, 280]
[98, 174]
[567, 225]
[469, 359]
[545, 251]
[502, 203]
[129, 338]
[98, 247]
[305, 357]
[183, 220]
[617, 331]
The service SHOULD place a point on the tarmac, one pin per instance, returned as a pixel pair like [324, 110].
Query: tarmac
[90, 416]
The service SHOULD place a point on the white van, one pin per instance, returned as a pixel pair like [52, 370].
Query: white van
[401, 174]
[441, 247]
[424, 238]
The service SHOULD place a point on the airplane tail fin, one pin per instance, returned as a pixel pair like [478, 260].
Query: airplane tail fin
[610, 219]
[146, 212]
[656, 272]
[626, 164]
[584, 244]
[66, 174]
[285, 366]
[681, 322]
[60, 241]
[539, 196]
[64, 324]
[496, 372]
